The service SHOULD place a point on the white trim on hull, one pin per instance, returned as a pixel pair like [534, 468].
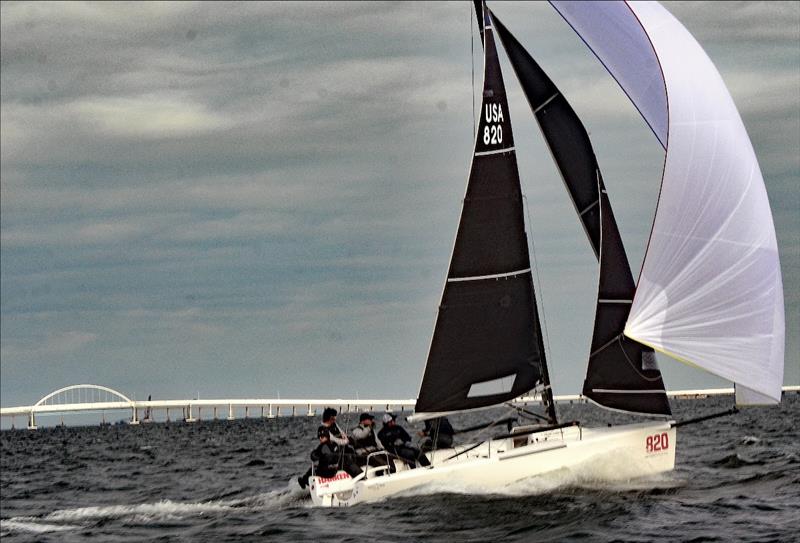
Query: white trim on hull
[645, 448]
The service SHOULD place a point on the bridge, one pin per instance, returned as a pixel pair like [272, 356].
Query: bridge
[86, 398]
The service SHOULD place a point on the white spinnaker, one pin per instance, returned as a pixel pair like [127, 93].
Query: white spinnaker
[710, 292]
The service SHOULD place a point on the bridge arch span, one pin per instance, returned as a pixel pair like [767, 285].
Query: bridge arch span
[90, 389]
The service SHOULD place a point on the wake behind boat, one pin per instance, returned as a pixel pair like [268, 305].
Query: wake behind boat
[709, 293]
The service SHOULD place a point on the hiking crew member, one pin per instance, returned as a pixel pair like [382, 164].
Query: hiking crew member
[438, 434]
[396, 440]
[335, 436]
[365, 442]
[329, 423]
[330, 457]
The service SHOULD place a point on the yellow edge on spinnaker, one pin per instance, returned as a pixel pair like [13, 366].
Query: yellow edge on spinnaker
[663, 351]
[690, 363]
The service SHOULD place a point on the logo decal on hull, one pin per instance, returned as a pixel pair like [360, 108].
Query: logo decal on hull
[338, 477]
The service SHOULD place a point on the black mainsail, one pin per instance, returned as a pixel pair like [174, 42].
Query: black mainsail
[487, 344]
[622, 373]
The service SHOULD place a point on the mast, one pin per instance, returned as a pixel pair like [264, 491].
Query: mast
[622, 374]
[547, 389]
[479, 15]
[487, 346]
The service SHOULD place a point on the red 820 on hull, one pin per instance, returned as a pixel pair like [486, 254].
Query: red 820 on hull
[657, 442]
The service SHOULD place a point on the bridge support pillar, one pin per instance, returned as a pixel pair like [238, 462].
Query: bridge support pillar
[32, 422]
[189, 417]
[230, 412]
[134, 416]
[310, 412]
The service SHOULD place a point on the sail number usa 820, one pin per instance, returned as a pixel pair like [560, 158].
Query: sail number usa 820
[657, 442]
[493, 133]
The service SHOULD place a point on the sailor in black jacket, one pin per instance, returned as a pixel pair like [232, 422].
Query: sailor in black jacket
[396, 440]
[438, 434]
[329, 458]
[329, 422]
[326, 455]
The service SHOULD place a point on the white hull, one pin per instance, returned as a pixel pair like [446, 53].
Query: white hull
[637, 450]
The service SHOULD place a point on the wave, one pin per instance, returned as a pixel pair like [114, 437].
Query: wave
[162, 511]
[32, 525]
[733, 461]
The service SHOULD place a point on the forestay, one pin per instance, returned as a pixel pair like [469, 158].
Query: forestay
[710, 291]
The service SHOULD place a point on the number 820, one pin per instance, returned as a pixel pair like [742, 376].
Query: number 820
[657, 442]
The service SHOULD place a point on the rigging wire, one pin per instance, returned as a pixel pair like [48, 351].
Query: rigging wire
[472, 64]
[477, 437]
[622, 348]
[538, 286]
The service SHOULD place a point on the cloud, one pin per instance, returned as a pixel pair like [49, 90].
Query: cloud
[148, 116]
[50, 346]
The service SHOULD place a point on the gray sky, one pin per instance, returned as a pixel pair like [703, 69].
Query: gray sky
[261, 199]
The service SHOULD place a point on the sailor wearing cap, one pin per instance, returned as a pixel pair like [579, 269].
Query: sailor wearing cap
[365, 441]
[363, 435]
[396, 440]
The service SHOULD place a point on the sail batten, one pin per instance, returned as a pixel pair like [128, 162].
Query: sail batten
[495, 151]
[493, 276]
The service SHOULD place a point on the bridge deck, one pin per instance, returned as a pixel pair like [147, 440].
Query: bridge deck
[311, 405]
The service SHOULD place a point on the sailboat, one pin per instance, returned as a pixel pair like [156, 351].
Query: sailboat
[709, 293]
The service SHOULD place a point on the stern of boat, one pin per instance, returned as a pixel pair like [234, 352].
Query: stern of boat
[332, 491]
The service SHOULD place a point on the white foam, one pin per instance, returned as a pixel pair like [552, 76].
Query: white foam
[162, 510]
[32, 525]
[275, 498]
[146, 513]
[613, 472]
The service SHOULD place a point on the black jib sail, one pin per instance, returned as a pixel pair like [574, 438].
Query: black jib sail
[487, 343]
[622, 373]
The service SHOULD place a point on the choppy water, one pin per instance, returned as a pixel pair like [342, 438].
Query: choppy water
[737, 479]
